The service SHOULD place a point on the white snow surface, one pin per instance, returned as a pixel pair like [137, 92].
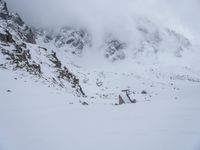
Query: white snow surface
[33, 116]
[36, 114]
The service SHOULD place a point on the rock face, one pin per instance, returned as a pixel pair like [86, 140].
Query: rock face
[150, 39]
[41, 52]
[3, 10]
[19, 54]
[114, 50]
[48, 69]
[64, 74]
[155, 39]
[75, 40]
[121, 101]
[6, 37]
[13, 24]
[20, 58]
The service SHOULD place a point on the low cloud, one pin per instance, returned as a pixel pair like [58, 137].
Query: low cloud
[101, 15]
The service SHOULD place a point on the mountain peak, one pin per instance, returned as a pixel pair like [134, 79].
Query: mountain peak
[3, 9]
[14, 25]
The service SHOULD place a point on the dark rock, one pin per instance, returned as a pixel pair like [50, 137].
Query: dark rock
[80, 90]
[121, 101]
[30, 38]
[70, 41]
[85, 103]
[17, 19]
[65, 74]
[99, 83]
[133, 101]
[34, 68]
[42, 48]
[7, 37]
[76, 39]
[9, 91]
[114, 50]
[13, 22]
[144, 92]
[54, 59]
[3, 10]
[21, 58]
[48, 38]
[180, 38]
[23, 45]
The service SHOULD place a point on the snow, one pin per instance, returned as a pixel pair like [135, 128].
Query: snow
[36, 113]
[33, 117]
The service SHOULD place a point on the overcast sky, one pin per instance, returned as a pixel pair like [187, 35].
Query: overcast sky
[181, 14]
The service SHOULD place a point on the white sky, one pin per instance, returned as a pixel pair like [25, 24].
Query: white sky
[184, 15]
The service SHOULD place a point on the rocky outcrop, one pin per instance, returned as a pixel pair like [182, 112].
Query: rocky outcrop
[20, 58]
[3, 10]
[18, 47]
[13, 23]
[72, 39]
[182, 42]
[68, 76]
[64, 74]
[114, 50]
[6, 37]
[19, 55]
[125, 97]
[76, 39]
[121, 101]
[54, 59]
[155, 39]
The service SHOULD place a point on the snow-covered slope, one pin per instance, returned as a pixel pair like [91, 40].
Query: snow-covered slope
[149, 56]
[47, 75]
[35, 117]
[69, 58]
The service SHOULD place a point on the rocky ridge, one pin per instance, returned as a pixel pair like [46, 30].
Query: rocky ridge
[39, 52]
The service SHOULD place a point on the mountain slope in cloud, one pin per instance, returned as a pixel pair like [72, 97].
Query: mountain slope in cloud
[128, 85]
[142, 38]
[19, 52]
[72, 57]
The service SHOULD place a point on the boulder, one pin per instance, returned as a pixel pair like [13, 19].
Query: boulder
[125, 97]
[121, 101]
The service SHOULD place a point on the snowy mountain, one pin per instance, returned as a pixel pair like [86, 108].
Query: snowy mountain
[56, 57]
[68, 58]
[42, 70]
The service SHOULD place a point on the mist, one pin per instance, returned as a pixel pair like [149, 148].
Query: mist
[116, 15]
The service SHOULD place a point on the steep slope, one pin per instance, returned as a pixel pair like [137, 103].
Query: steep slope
[49, 77]
[19, 52]
[14, 25]
[144, 38]
[68, 38]
[35, 117]
[150, 55]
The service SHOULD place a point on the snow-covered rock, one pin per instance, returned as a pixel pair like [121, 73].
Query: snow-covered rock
[62, 58]
[12, 23]
[76, 40]
[52, 80]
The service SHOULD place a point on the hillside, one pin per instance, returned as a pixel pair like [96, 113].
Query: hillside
[60, 88]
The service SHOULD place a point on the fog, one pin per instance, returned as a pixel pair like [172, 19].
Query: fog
[100, 15]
